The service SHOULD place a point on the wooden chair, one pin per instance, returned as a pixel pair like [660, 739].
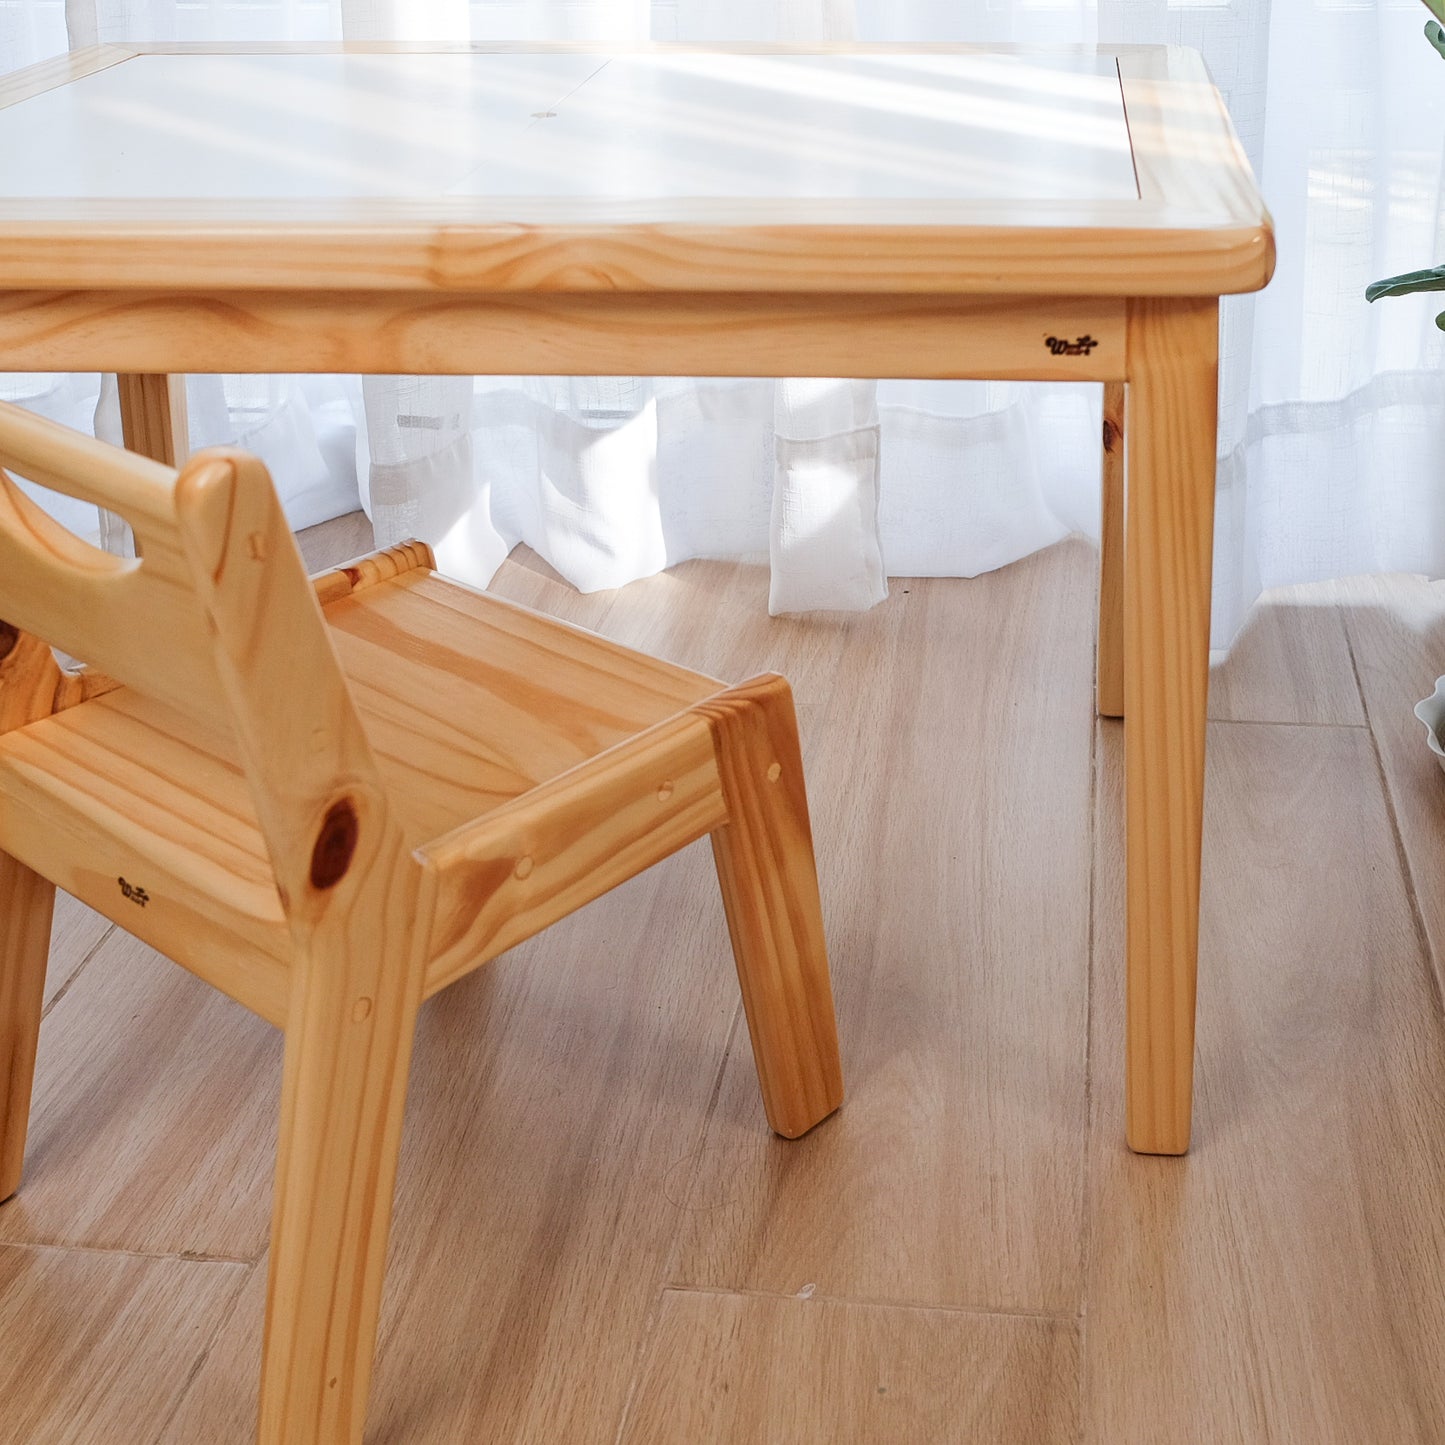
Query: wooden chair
[331, 799]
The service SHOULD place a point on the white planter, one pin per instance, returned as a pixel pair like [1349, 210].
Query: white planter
[1431, 712]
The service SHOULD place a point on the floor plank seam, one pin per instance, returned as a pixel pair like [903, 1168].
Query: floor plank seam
[1007, 1312]
[203, 1356]
[1248, 722]
[79, 969]
[183, 1257]
[649, 1327]
[1402, 854]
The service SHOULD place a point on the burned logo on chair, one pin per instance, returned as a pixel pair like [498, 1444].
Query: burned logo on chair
[136, 895]
[1058, 346]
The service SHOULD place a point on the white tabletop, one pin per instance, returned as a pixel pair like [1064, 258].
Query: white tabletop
[927, 126]
[881, 170]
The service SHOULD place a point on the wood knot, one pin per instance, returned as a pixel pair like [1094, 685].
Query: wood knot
[1111, 435]
[335, 845]
[9, 637]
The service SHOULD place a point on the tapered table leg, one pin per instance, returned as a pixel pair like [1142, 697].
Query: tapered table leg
[154, 424]
[1173, 379]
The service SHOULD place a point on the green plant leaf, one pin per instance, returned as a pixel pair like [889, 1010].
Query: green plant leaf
[1407, 284]
[1440, 321]
[1437, 9]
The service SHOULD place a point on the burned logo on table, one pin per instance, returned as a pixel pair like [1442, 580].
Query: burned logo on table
[1058, 346]
[136, 895]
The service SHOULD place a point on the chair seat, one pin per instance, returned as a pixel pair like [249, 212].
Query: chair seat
[468, 701]
[495, 698]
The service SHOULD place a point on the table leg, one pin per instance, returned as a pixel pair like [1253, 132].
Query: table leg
[153, 424]
[1173, 403]
[153, 416]
[1110, 662]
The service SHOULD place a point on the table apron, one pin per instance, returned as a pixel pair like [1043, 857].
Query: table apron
[1006, 337]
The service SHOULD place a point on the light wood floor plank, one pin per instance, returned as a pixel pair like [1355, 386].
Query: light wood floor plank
[339, 540]
[1397, 628]
[99, 1346]
[752, 1370]
[153, 1123]
[1290, 664]
[951, 792]
[75, 932]
[1282, 1282]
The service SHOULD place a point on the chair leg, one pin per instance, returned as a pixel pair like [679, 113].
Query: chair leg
[26, 903]
[348, 1051]
[1110, 675]
[770, 891]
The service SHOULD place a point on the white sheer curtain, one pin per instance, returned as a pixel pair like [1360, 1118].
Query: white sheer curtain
[1332, 418]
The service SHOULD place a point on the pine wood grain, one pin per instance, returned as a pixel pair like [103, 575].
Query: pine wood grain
[956, 904]
[999, 335]
[764, 857]
[153, 417]
[1280, 1284]
[26, 901]
[100, 1346]
[757, 1370]
[1173, 397]
[29, 680]
[95, 605]
[536, 860]
[148, 803]
[1109, 684]
[60, 70]
[480, 660]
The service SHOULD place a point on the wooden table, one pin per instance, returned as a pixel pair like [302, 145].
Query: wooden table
[1066, 215]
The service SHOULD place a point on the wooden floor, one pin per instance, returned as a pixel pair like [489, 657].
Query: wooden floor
[596, 1238]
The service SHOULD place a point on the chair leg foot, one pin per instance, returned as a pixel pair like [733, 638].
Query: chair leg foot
[26, 903]
[769, 885]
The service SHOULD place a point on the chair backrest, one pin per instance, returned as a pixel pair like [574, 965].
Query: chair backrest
[215, 617]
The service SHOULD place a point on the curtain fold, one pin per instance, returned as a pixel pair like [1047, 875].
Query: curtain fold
[1332, 418]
